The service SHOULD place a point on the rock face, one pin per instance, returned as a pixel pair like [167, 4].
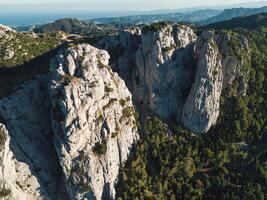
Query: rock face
[93, 121]
[94, 128]
[234, 67]
[30, 168]
[175, 74]
[16, 178]
[201, 109]
[157, 66]
[164, 70]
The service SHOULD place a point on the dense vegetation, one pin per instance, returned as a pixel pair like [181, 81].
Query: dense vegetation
[25, 47]
[250, 22]
[32, 55]
[2, 138]
[154, 27]
[229, 162]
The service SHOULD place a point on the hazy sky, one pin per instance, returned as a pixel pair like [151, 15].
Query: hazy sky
[24, 12]
[115, 5]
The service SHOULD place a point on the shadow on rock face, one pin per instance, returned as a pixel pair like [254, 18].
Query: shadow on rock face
[26, 114]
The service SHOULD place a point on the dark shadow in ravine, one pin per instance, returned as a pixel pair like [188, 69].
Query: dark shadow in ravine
[31, 135]
[10, 77]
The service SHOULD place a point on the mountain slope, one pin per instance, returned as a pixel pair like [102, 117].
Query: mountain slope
[252, 22]
[192, 16]
[235, 12]
[18, 48]
[69, 25]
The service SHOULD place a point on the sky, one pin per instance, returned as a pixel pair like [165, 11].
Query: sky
[118, 5]
[25, 12]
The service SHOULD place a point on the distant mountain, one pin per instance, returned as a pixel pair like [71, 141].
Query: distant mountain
[26, 28]
[235, 12]
[249, 22]
[192, 16]
[69, 25]
[75, 26]
[81, 27]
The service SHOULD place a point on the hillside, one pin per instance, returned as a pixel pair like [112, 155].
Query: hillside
[69, 25]
[235, 12]
[253, 22]
[18, 48]
[192, 16]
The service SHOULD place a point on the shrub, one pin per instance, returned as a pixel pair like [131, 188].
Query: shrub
[87, 187]
[154, 27]
[2, 138]
[127, 112]
[114, 134]
[99, 116]
[100, 149]
[4, 192]
[167, 49]
[108, 89]
[122, 102]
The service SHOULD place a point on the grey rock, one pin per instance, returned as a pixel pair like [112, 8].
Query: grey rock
[86, 111]
[201, 109]
[35, 167]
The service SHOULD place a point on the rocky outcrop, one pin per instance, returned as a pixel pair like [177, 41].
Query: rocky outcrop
[30, 168]
[157, 66]
[164, 70]
[93, 121]
[201, 109]
[236, 59]
[177, 75]
[16, 178]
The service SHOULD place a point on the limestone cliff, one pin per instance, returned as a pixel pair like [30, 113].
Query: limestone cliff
[157, 66]
[164, 69]
[30, 168]
[176, 74]
[16, 180]
[93, 121]
[201, 108]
